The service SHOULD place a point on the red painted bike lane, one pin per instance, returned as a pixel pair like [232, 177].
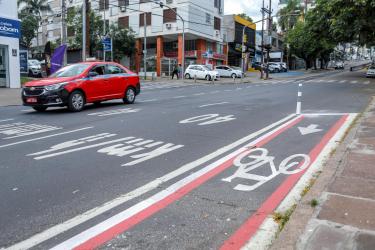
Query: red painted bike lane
[131, 218]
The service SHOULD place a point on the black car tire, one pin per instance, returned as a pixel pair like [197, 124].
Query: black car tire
[208, 77]
[130, 95]
[187, 76]
[233, 75]
[40, 108]
[76, 101]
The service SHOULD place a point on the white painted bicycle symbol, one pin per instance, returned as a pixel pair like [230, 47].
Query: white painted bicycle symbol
[259, 157]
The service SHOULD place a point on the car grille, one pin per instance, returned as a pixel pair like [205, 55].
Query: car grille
[34, 90]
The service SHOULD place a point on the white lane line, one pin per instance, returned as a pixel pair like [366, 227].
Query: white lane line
[331, 81]
[44, 137]
[88, 215]
[327, 114]
[149, 100]
[88, 234]
[178, 97]
[343, 81]
[227, 90]
[6, 120]
[366, 82]
[198, 94]
[354, 82]
[214, 92]
[213, 104]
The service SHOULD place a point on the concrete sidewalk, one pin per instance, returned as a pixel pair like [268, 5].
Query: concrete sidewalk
[339, 210]
[10, 97]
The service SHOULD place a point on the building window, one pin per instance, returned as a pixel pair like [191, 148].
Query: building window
[169, 16]
[190, 45]
[122, 3]
[103, 4]
[220, 48]
[148, 19]
[123, 22]
[218, 4]
[208, 18]
[217, 23]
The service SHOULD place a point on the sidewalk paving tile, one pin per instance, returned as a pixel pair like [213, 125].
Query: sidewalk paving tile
[358, 213]
[356, 187]
[360, 165]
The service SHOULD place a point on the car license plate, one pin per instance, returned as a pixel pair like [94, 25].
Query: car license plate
[31, 100]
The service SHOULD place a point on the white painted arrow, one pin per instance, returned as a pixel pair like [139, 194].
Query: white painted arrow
[313, 128]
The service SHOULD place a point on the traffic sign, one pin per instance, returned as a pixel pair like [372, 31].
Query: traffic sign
[107, 44]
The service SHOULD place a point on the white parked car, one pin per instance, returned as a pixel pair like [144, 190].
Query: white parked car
[201, 72]
[276, 66]
[371, 71]
[35, 69]
[227, 71]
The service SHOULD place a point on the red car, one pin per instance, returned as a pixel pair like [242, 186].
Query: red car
[77, 84]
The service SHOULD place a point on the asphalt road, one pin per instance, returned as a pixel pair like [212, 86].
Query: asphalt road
[178, 169]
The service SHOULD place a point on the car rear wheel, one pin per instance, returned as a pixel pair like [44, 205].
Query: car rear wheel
[187, 76]
[76, 101]
[129, 97]
[40, 108]
[233, 76]
[208, 77]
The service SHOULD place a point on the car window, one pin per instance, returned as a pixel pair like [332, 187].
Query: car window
[100, 69]
[112, 69]
[206, 68]
[71, 70]
[219, 67]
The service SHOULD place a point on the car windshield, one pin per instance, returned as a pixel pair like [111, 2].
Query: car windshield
[34, 62]
[71, 70]
[206, 68]
[372, 67]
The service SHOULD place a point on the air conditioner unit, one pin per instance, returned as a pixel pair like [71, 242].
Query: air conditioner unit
[123, 8]
[168, 26]
[217, 33]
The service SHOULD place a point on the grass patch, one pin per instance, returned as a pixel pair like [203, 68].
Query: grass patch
[283, 218]
[25, 79]
[308, 187]
[314, 203]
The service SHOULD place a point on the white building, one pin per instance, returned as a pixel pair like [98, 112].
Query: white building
[204, 31]
[9, 45]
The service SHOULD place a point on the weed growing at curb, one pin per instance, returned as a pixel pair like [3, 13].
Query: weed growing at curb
[283, 218]
[314, 203]
[308, 187]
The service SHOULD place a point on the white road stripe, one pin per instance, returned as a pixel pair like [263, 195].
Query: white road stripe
[328, 114]
[149, 100]
[44, 137]
[366, 82]
[6, 120]
[198, 94]
[343, 81]
[213, 104]
[79, 219]
[354, 82]
[178, 97]
[114, 220]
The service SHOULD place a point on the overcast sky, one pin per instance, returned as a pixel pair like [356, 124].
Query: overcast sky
[250, 7]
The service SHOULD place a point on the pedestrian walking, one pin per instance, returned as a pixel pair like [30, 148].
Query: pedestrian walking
[175, 72]
[179, 71]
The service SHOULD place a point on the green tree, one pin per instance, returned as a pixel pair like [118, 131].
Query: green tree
[288, 16]
[34, 7]
[123, 42]
[29, 27]
[246, 17]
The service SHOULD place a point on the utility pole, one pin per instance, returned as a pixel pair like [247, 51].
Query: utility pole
[104, 28]
[262, 43]
[63, 28]
[84, 30]
[269, 37]
[145, 45]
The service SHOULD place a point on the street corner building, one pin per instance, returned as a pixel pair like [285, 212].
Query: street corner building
[200, 21]
[9, 45]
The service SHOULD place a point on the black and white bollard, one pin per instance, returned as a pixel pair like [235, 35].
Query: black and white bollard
[299, 99]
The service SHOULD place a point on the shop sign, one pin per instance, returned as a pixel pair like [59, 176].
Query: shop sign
[9, 28]
[23, 61]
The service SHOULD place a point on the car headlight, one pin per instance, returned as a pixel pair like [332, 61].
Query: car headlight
[55, 86]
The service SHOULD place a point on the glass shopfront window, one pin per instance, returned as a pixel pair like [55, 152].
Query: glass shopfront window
[4, 66]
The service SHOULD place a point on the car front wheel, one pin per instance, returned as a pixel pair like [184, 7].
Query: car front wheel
[187, 76]
[76, 101]
[129, 97]
[208, 77]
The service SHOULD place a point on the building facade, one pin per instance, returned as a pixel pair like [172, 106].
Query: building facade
[204, 32]
[9, 45]
[234, 35]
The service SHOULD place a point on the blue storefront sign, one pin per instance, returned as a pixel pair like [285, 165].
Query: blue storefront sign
[10, 28]
[107, 44]
[23, 61]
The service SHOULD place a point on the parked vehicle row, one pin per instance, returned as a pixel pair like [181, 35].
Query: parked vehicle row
[204, 72]
[77, 84]
[371, 71]
[273, 67]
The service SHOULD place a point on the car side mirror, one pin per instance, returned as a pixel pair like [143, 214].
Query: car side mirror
[93, 74]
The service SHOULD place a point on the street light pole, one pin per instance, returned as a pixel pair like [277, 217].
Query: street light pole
[161, 4]
[262, 43]
[63, 29]
[83, 30]
[144, 46]
[104, 29]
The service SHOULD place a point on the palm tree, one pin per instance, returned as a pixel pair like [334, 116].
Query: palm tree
[287, 15]
[35, 7]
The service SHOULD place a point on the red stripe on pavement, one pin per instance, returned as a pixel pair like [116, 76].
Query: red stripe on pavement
[144, 214]
[250, 227]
